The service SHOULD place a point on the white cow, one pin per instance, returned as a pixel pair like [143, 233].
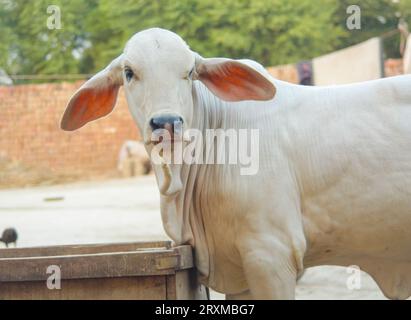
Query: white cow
[334, 179]
[133, 159]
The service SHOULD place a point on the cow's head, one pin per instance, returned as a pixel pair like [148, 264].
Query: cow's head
[157, 70]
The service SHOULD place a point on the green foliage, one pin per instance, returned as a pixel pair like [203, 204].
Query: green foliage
[269, 31]
[378, 17]
[7, 35]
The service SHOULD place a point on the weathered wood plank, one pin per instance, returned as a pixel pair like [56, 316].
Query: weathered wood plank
[126, 288]
[82, 249]
[171, 287]
[149, 270]
[187, 286]
[101, 265]
[185, 254]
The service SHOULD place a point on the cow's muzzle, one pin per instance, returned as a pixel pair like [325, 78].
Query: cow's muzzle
[167, 127]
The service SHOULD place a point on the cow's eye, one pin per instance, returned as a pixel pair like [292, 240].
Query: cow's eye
[129, 74]
[190, 74]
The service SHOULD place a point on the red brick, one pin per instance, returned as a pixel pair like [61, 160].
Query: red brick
[30, 133]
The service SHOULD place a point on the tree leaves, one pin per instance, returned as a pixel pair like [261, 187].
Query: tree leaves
[269, 31]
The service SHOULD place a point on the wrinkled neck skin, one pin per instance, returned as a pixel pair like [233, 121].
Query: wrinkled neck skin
[184, 213]
[181, 215]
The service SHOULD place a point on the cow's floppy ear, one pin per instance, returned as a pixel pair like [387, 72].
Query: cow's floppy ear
[95, 99]
[231, 80]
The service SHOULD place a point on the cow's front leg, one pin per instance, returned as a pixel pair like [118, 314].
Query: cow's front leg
[270, 268]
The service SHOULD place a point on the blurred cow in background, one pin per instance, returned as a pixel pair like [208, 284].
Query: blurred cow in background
[133, 159]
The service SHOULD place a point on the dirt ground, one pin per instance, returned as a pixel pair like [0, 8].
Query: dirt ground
[14, 174]
[128, 210]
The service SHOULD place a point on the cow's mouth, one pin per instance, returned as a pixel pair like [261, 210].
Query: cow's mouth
[163, 149]
[171, 140]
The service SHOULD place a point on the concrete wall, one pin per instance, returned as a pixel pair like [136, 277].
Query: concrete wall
[407, 56]
[361, 62]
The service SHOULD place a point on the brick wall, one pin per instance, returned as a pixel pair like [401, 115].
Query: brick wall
[393, 67]
[33, 148]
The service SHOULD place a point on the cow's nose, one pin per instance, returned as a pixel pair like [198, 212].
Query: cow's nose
[168, 122]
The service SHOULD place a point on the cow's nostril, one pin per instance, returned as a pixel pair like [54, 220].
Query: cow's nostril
[166, 122]
[155, 124]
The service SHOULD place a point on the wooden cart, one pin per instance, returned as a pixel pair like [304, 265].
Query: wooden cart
[143, 270]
